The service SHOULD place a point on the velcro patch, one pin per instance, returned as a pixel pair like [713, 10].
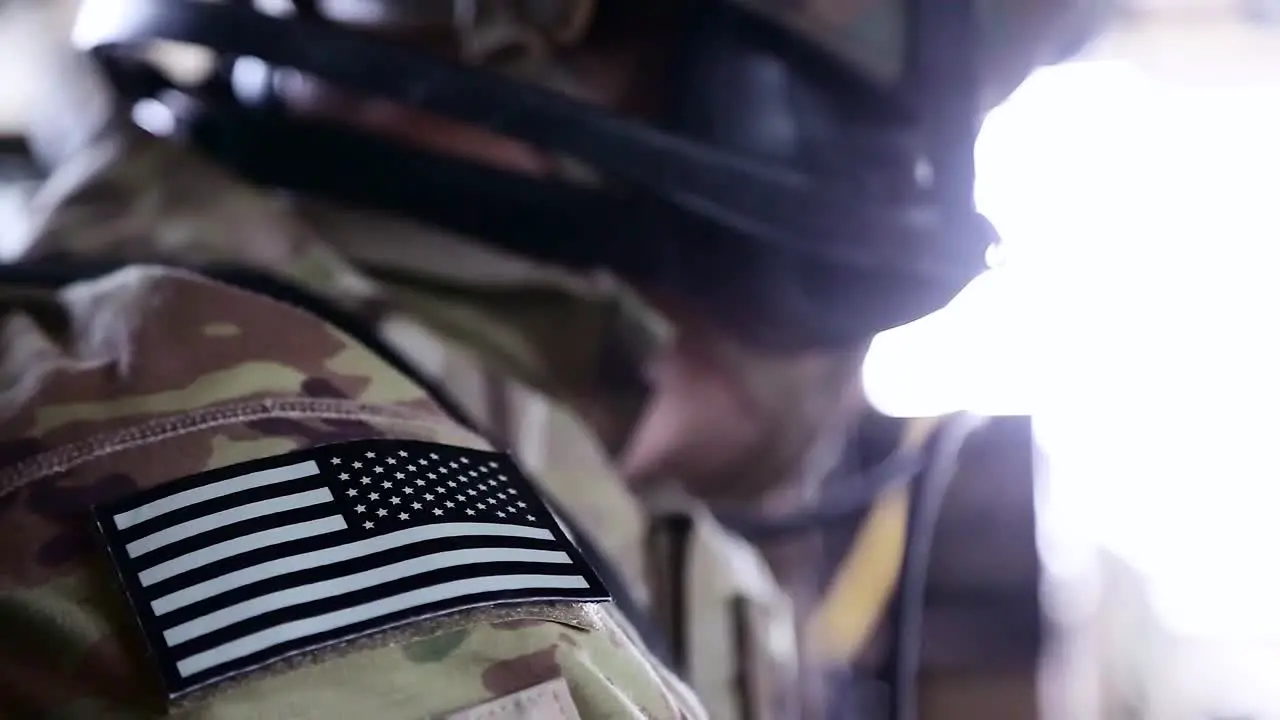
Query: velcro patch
[549, 701]
[244, 566]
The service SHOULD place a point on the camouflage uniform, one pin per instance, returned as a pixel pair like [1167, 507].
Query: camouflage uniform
[133, 377]
[147, 374]
[151, 373]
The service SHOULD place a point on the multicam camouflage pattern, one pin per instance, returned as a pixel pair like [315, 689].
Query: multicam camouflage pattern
[133, 379]
[498, 361]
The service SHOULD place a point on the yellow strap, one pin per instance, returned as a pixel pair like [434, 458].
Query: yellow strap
[867, 576]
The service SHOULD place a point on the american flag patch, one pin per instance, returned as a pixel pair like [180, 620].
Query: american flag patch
[243, 566]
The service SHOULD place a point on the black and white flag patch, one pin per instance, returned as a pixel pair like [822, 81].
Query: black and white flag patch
[239, 567]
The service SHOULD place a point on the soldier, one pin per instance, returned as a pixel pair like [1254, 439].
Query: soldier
[330, 384]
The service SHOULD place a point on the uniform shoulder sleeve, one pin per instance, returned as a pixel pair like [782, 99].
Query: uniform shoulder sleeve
[181, 402]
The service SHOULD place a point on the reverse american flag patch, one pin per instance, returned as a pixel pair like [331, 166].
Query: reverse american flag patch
[240, 567]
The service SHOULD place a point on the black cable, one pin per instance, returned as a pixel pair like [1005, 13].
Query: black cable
[928, 496]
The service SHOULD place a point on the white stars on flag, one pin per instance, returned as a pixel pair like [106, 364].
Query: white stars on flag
[432, 488]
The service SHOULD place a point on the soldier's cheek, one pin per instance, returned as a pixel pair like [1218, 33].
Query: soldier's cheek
[697, 423]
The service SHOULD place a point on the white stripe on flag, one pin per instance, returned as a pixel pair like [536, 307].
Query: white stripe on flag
[243, 544]
[191, 528]
[316, 558]
[156, 508]
[352, 583]
[307, 627]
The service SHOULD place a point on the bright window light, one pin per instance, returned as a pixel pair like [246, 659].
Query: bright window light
[1038, 182]
[1135, 318]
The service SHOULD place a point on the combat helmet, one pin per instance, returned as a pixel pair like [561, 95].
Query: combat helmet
[807, 177]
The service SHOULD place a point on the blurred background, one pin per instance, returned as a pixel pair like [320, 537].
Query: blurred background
[1133, 318]
[1127, 327]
